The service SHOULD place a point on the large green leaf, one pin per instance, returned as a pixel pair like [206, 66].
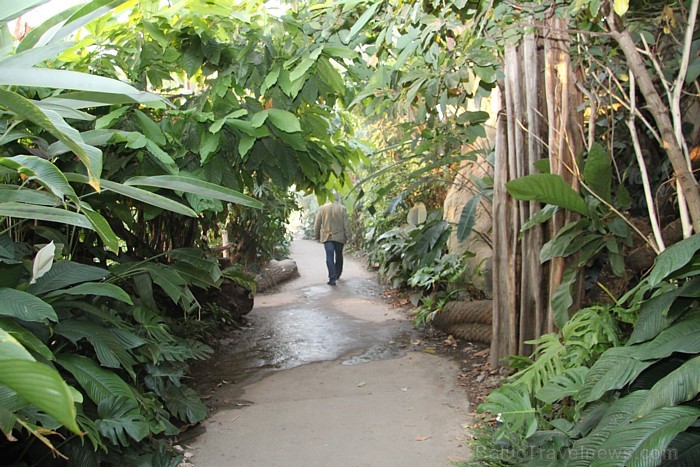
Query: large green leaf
[102, 227]
[139, 194]
[11, 9]
[44, 213]
[512, 402]
[361, 22]
[19, 194]
[613, 370]
[90, 157]
[99, 289]
[89, 99]
[563, 385]
[597, 172]
[11, 349]
[644, 441]
[43, 387]
[673, 258]
[681, 385]
[35, 56]
[32, 38]
[64, 79]
[547, 189]
[98, 383]
[284, 120]
[109, 350]
[65, 273]
[586, 450]
[25, 337]
[196, 187]
[468, 218]
[120, 416]
[653, 316]
[25, 306]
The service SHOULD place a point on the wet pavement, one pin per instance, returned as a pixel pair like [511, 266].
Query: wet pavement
[328, 376]
[306, 321]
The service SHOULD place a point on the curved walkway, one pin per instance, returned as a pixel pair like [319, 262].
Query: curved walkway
[329, 377]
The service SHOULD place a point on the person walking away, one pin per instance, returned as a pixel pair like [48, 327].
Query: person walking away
[332, 228]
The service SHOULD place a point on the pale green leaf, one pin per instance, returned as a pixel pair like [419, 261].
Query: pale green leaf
[139, 194]
[196, 187]
[621, 6]
[11, 9]
[547, 189]
[43, 387]
[11, 349]
[99, 289]
[44, 172]
[284, 120]
[43, 213]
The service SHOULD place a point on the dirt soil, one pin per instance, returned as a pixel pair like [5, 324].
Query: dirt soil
[322, 375]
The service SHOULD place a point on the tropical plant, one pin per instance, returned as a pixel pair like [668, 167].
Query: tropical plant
[636, 404]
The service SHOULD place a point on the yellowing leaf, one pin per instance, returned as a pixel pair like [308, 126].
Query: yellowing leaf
[621, 6]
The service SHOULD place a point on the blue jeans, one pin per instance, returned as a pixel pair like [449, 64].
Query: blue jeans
[334, 259]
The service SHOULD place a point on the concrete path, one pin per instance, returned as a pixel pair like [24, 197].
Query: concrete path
[336, 382]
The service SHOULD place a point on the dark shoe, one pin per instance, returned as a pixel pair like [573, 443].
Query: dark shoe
[331, 282]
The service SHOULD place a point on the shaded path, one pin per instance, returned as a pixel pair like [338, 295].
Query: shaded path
[354, 392]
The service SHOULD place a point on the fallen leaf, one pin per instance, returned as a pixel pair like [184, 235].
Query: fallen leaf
[450, 341]
[482, 353]
[429, 350]
[362, 384]
[422, 438]
[404, 389]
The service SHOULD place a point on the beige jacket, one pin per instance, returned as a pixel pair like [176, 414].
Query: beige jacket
[332, 223]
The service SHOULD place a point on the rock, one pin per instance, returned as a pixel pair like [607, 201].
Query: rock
[457, 197]
[275, 273]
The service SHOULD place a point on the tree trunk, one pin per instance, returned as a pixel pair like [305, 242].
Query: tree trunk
[523, 287]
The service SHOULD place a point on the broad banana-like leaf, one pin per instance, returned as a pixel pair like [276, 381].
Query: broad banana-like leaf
[196, 187]
[102, 227]
[44, 172]
[36, 382]
[32, 57]
[12, 9]
[613, 370]
[681, 385]
[90, 156]
[139, 194]
[18, 195]
[99, 383]
[674, 258]
[65, 273]
[31, 40]
[98, 289]
[44, 213]
[25, 306]
[25, 337]
[644, 440]
[65, 79]
[586, 450]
